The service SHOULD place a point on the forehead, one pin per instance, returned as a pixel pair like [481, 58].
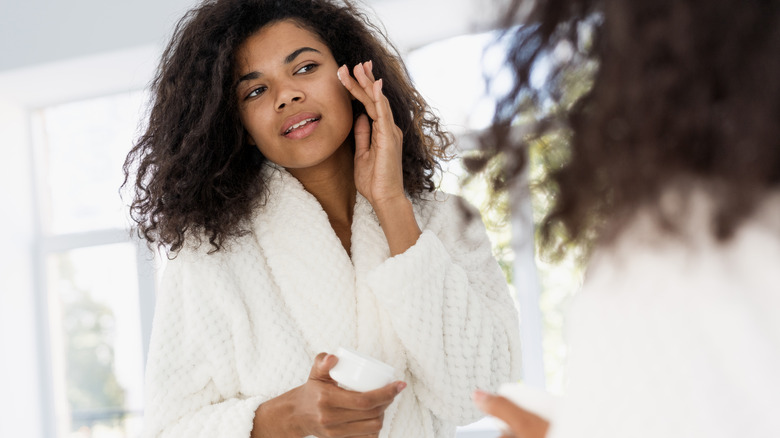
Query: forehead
[272, 43]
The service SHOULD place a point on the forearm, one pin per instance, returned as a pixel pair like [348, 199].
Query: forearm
[396, 217]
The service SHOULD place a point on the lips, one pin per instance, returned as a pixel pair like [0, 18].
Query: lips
[300, 125]
[299, 122]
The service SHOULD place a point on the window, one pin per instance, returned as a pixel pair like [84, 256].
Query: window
[96, 281]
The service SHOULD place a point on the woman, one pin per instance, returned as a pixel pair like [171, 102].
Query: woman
[298, 208]
[674, 177]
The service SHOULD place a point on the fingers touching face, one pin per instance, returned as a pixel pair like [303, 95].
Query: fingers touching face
[363, 86]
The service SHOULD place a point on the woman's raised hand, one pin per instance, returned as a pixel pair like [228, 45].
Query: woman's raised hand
[378, 150]
[320, 407]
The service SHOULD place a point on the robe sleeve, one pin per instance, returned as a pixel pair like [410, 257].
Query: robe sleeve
[192, 389]
[450, 306]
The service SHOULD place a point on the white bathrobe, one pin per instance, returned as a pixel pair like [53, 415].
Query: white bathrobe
[237, 327]
[678, 335]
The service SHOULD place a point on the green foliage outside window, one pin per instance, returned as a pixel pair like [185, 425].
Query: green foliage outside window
[93, 392]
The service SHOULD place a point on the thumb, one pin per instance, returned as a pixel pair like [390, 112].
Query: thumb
[322, 366]
[362, 131]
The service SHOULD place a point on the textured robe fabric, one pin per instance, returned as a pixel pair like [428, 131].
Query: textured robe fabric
[678, 335]
[240, 326]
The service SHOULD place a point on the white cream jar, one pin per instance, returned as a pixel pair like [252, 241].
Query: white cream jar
[361, 373]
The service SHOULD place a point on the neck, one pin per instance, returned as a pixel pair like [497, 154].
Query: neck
[332, 183]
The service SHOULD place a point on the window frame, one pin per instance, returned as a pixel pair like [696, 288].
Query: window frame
[47, 244]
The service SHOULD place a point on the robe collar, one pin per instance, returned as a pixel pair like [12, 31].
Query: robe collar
[317, 279]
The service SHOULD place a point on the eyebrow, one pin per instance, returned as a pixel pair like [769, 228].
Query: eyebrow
[288, 59]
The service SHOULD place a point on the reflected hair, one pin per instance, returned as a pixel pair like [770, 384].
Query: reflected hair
[681, 93]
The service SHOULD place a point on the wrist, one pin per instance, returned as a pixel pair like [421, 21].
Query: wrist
[273, 419]
[389, 207]
[396, 217]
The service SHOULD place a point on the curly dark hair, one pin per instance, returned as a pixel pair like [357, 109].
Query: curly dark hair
[195, 175]
[683, 92]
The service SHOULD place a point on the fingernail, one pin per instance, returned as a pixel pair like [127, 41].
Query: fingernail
[370, 65]
[400, 386]
[479, 396]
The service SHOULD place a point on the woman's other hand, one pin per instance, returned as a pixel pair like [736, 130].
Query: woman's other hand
[320, 407]
[522, 423]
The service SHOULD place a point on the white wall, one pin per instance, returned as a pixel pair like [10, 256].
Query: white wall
[35, 32]
[41, 31]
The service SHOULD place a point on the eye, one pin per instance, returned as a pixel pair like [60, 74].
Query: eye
[256, 92]
[308, 68]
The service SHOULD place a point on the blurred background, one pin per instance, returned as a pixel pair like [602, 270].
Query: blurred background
[77, 289]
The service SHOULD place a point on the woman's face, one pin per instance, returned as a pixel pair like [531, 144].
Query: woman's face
[291, 103]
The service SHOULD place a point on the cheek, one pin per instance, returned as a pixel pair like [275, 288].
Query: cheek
[339, 104]
[338, 94]
[254, 129]
[346, 116]
[242, 117]
[346, 105]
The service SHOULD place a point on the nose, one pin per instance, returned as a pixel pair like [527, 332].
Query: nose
[288, 94]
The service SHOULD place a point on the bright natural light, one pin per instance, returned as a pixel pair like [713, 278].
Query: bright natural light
[451, 75]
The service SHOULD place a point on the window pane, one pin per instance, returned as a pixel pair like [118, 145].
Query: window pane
[95, 332]
[81, 147]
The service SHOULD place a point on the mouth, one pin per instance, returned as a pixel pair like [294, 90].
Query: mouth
[300, 125]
